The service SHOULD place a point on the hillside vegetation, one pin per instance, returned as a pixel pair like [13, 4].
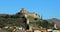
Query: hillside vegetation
[19, 20]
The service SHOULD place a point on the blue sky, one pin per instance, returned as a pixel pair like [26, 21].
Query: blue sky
[47, 8]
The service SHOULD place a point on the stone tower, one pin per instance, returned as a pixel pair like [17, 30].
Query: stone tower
[23, 11]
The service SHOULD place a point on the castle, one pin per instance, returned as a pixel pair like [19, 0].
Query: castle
[31, 17]
[29, 14]
[28, 22]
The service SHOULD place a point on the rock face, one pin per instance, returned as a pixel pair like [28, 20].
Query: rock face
[56, 21]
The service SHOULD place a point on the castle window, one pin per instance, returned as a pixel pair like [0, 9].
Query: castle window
[35, 18]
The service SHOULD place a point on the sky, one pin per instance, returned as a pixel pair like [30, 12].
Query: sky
[46, 8]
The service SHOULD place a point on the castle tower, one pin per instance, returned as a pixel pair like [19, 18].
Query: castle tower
[23, 11]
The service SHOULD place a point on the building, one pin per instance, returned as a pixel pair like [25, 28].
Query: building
[29, 14]
[56, 30]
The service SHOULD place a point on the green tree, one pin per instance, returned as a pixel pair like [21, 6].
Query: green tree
[9, 30]
[45, 24]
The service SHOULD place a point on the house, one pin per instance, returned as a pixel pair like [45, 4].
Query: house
[49, 30]
[29, 31]
[39, 29]
[56, 30]
[20, 31]
[1, 30]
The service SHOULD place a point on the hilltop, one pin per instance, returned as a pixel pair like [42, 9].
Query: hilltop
[55, 20]
[24, 19]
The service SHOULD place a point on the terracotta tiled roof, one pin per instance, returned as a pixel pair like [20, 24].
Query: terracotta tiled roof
[1, 30]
